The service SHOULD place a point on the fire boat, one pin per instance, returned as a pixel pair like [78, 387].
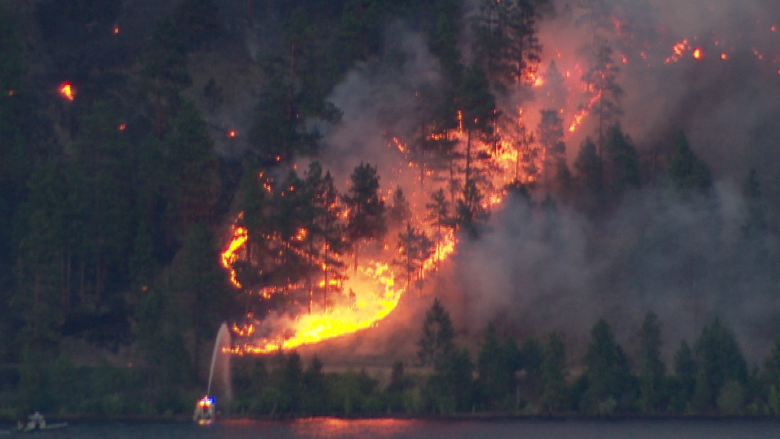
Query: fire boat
[36, 422]
[204, 411]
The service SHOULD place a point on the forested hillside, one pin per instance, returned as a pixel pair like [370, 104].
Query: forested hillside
[169, 165]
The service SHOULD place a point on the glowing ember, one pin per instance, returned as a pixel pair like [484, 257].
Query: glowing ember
[122, 127]
[116, 30]
[724, 56]
[698, 53]
[232, 133]
[67, 91]
[677, 51]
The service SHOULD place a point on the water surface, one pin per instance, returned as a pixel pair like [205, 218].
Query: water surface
[332, 428]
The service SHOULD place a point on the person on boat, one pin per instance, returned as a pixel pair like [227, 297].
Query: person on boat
[34, 422]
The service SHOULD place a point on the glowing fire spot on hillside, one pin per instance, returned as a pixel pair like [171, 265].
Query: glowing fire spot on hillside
[67, 91]
[230, 254]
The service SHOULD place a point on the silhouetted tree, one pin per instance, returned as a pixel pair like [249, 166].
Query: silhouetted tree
[554, 374]
[686, 170]
[165, 67]
[684, 381]
[607, 372]
[414, 248]
[437, 341]
[652, 370]
[366, 218]
[621, 161]
[719, 361]
[602, 84]
[506, 44]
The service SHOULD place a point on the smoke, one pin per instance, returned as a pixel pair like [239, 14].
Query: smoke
[382, 99]
[546, 270]
[687, 259]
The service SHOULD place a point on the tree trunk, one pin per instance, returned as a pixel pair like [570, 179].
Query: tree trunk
[468, 156]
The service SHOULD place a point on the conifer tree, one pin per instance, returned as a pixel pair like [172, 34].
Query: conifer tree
[602, 84]
[686, 170]
[554, 374]
[607, 371]
[414, 248]
[652, 370]
[437, 340]
[621, 161]
[366, 218]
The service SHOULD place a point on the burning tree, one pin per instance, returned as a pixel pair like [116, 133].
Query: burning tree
[478, 114]
[602, 85]
[324, 237]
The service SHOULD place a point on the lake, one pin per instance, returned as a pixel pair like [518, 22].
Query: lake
[426, 429]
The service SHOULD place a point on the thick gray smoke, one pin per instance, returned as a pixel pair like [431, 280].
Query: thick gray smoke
[535, 269]
[686, 260]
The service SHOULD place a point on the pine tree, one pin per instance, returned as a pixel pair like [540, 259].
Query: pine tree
[202, 287]
[506, 44]
[165, 68]
[554, 374]
[590, 171]
[437, 341]
[550, 135]
[687, 171]
[719, 361]
[602, 84]
[621, 161]
[193, 167]
[366, 217]
[495, 368]
[652, 371]
[607, 371]
[399, 212]
[685, 372]
[325, 243]
[414, 248]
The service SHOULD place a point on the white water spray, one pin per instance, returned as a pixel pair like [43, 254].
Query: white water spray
[220, 363]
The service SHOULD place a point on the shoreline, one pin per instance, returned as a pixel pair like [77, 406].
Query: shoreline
[480, 417]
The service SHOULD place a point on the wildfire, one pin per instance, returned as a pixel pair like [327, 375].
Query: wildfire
[67, 91]
[579, 116]
[230, 254]
[369, 307]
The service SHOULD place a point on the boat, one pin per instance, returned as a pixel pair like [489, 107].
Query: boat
[36, 422]
[204, 411]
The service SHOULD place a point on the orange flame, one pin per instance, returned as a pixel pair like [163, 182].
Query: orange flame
[67, 91]
[230, 254]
